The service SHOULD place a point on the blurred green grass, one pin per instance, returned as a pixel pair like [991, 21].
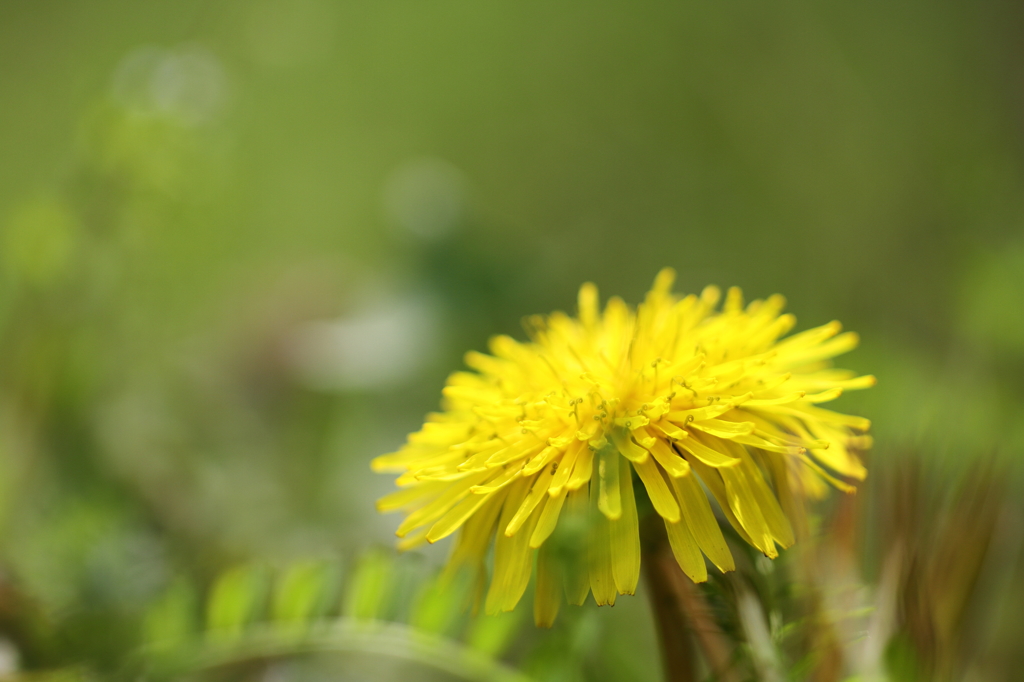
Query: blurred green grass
[215, 214]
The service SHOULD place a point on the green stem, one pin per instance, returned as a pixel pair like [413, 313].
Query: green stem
[684, 620]
[677, 651]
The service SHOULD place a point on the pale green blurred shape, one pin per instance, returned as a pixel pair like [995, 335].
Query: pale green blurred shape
[172, 620]
[302, 592]
[368, 589]
[39, 241]
[993, 297]
[236, 600]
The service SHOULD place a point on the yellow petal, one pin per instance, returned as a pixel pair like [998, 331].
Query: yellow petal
[541, 460]
[407, 496]
[710, 295]
[670, 460]
[663, 282]
[609, 499]
[764, 444]
[779, 526]
[701, 522]
[657, 489]
[733, 300]
[713, 480]
[741, 500]
[706, 455]
[475, 537]
[513, 557]
[439, 506]
[582, 470]
[724, 429]
[563, 467]
[536, 495]
[625, 536]
[513, 453]
[500, 481]
[684, 417]
[627, 448]
[670, 430]
[588, 305]
[547, 595]
[576, 574]
[837, 346]
[632, 421]
[455, 517]
[415, 539]
[686, 551]
[810, 337]
[599, 550]
[781, 400]
[548, 519]
[791, 505]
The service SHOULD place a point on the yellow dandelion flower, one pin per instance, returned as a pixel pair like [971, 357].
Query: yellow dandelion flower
[692, 399]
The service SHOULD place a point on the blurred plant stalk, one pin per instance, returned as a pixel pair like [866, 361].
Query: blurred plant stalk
[683, 618]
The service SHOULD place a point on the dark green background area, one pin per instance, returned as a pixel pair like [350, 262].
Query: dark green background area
[863, 159]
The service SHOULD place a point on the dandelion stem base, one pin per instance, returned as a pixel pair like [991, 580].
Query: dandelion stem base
[682, 617]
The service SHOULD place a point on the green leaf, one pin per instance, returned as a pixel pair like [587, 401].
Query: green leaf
[301, 594]
[171, 622]
[236, 599]
[366, 593]
[441, 603]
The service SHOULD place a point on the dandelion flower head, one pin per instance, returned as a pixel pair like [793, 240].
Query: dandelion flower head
[679, 396]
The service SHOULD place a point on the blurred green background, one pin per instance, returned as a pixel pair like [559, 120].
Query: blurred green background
[243, 243]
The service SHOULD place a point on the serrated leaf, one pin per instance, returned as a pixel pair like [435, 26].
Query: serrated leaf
[237, 598]
[441, 603]
[367, 589]
[301, 593]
